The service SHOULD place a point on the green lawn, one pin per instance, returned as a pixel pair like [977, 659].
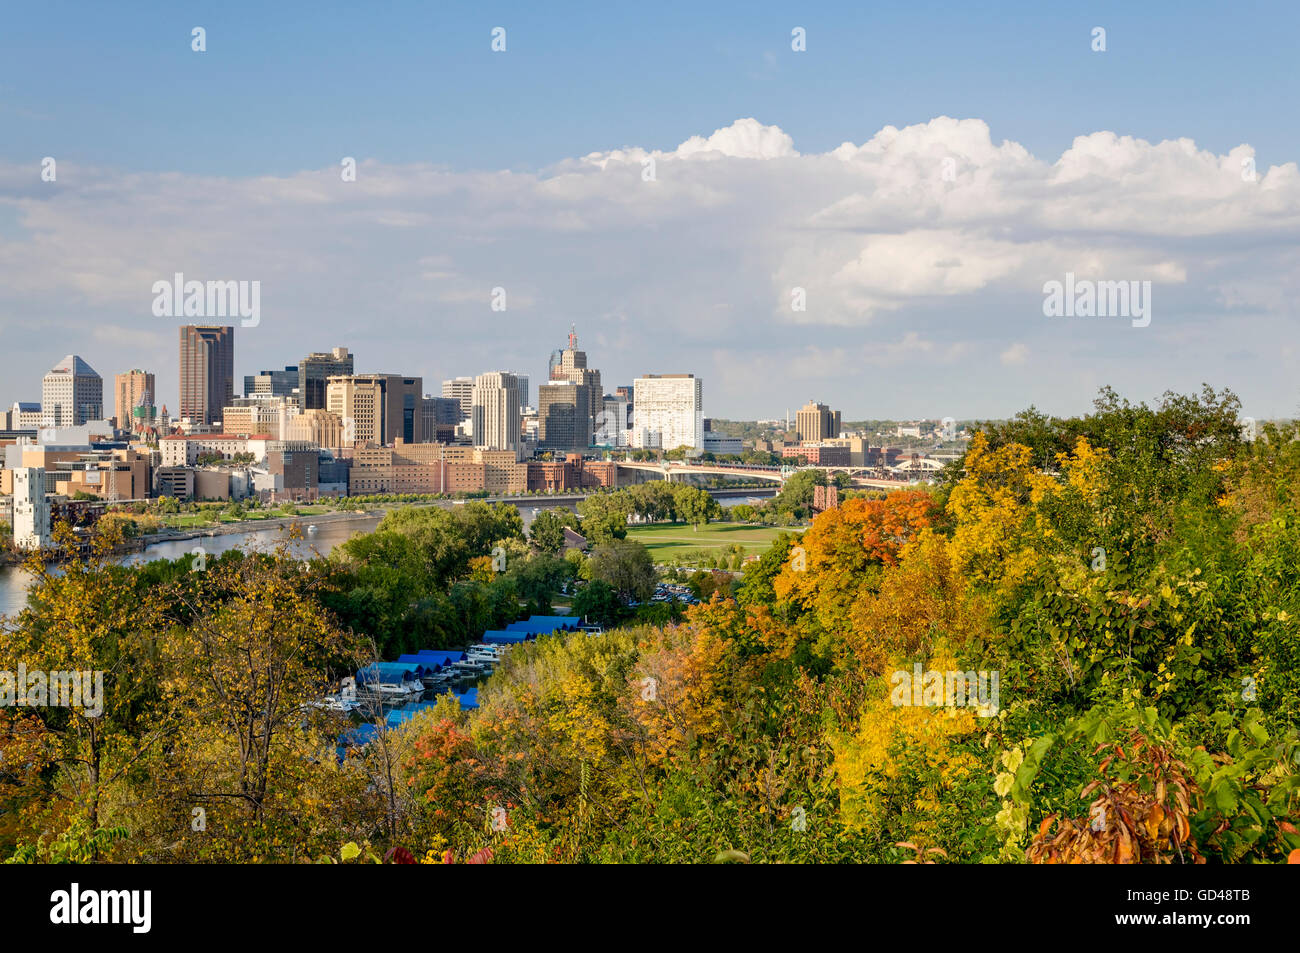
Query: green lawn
[216, 517]
[665, 540]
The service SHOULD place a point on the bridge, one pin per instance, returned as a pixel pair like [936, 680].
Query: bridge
[885, 478]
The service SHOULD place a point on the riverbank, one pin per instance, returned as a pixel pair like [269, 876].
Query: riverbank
[245, 526]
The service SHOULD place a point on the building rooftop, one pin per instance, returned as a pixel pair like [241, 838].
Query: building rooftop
[72, 364]
[220, 436]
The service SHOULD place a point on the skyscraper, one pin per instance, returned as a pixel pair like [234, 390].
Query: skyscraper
[669, 411]
[816, 422]
[31, 509]
[315, 370]
[134, 400]
[71, 394]
[207, 371]
[570, 364]
[496, 412]
[273, 383]
[377, 408]
[564, 420]
[460, 389]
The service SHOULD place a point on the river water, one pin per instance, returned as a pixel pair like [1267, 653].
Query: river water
[14, 580]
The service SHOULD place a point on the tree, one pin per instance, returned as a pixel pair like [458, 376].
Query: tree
[697, 506]
[538, 578]
[604, 516]
[547, 531]
[627, 567]
[599, 603]
[249, 648]
[796, 496]
[84, 616]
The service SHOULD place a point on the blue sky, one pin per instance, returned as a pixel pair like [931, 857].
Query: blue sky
[284, 86]
[136, 119]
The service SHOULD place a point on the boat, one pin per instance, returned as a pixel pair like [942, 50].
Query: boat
[335, 703]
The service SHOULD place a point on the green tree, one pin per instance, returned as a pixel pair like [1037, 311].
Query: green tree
[604, 516]
[547, 530]
[627, 567]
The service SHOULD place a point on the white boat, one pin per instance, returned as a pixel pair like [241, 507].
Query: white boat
[335, 703]
[386, 690]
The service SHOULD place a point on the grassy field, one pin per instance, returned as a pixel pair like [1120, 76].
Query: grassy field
[215, 517]
[666, 540]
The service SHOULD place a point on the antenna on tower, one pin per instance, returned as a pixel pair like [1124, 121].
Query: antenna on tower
[573, 337]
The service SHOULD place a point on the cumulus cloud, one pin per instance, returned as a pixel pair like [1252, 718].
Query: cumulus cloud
[1015, 354]
[921, 244]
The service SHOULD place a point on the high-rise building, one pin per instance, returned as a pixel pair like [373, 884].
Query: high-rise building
[523, 390]
[272, 383]
[496, 411]
[564, 418]
[445, 411]
[570, 364]
[317, 427]
[315, 370]
[134, 400]
[624, 393]
[460, 389]
[611, 424]
[71, 394]
[377, 408]
[31, 509]
[207, 371]
[816, 422]
[669, 412]
[25, 415]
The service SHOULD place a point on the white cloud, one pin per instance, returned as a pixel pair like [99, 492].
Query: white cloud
[1015, 354]
[922, 244]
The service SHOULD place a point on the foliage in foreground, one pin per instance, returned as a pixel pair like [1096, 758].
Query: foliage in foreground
[1131, 578]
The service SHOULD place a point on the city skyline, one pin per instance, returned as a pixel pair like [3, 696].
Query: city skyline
[780, 225]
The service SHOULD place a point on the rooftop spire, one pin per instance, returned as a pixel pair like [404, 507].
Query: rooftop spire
[573, 337]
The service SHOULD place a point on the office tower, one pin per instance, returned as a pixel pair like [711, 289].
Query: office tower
[260, 414]
[317, 427]
[611, 425]
[460, 389]
[71, 394]
[523, 390]
[445, 410]
[495, 411]
[624, 393]
[133, 400]
[570, 364]
[564, 419]
[816, 422]
[31, 509]
[207, 371]
[25, 415]
[315, 370]
[377, 408]
[273, 383]
[669, 412]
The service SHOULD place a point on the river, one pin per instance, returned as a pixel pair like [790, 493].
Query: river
[330, 533]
